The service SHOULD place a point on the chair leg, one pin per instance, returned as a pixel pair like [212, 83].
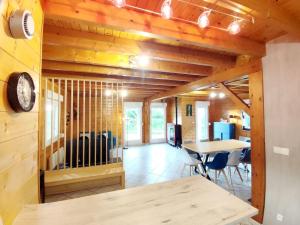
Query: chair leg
[237, 169]
[216, 177]
[225, 178]
[229, 171]
[191, 171]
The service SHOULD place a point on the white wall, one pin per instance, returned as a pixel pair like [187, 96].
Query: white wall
[281, 68]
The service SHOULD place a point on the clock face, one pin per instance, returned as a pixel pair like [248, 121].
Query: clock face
[20, 92]
[24, 92]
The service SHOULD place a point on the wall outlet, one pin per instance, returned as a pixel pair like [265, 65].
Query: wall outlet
[279, 217]
[281, 151]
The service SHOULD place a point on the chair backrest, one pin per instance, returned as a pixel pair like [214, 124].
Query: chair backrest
[234, 158]
[220, 161]
[246, 157]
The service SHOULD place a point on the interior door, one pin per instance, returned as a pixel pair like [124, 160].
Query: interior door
[158, 122]
[202, 120]
[133, 123]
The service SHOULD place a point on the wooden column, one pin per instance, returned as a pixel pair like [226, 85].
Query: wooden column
[257, 143]
[146, 122]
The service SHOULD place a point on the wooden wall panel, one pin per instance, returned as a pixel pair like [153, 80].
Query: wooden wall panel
[222, 108]
[18, 132]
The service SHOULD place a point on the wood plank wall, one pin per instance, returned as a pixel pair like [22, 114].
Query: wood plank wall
[218, 109]
[222, 108]
[18, 132]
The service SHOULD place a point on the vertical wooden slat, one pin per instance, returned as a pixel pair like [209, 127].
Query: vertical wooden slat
[123, 123]
[117, 122]
[112, 122]
[45, 122]
[58, 140]
[95, 121]
[90, 111]
[65, 122]
[83, 125]
[71, 127]
[106, 115]
[78, 118]
[52, 121]
[101, 125]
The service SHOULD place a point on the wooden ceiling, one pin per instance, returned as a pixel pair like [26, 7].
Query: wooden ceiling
[85, 38]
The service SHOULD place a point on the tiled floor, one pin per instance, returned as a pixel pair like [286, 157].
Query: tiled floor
[157, 163]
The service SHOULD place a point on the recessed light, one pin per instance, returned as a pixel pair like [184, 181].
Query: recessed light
[213, 94]
[221, 95]
[143, 60]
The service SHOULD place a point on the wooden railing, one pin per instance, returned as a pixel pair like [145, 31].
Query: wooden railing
[82, 123]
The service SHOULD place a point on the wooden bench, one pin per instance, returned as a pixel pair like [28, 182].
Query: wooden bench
[68, 180]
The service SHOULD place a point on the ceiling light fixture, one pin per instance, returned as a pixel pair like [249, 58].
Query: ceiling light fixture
[108, 92]
[203, 20]
[234, 27]
[124, 93]
[143, 60]
[221, 95]
[166, 9]
[213, 94]
[119, 3]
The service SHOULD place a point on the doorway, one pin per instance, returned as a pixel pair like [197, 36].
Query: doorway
[158, 122]
[133, 123]
[202, 120]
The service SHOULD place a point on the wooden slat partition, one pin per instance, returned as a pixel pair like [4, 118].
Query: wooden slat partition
[85, 116]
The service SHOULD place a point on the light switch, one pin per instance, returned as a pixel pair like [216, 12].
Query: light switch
[281, 151]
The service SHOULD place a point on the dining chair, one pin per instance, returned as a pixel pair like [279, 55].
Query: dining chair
[193, 163]
[246, 159]
[218, 164]
[234, 161]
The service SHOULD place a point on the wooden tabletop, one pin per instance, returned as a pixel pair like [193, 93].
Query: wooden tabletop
[190, 201]
[217, 146]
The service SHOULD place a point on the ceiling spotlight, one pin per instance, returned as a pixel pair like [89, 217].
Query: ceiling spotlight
[143, 60]
[124, 93]
[166, 10]
[234, 27]
[221, 95]
[108, 92]
[203, 20]
[119, 3]
[213, 94]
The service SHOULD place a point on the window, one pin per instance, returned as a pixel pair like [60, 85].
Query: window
[52, 110]
[202, 124]
[245, 121]
[133, 123]
[158, 122]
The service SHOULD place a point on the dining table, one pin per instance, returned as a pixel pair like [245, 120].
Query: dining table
[190, 201]
[205, 149]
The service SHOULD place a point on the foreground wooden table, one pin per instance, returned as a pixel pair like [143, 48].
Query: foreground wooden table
[216, 146]
[188, 201]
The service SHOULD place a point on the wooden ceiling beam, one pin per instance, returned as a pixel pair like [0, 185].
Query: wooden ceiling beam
[90, 41]
[212, 80]
[105, 78]
[75, 55]
[96, 70]
[236, 99]
[271, 11]
[107, 15]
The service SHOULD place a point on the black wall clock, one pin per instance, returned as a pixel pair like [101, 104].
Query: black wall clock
[20, 92]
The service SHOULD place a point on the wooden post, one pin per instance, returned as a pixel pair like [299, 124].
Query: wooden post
[257, 143]
[146, 121]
